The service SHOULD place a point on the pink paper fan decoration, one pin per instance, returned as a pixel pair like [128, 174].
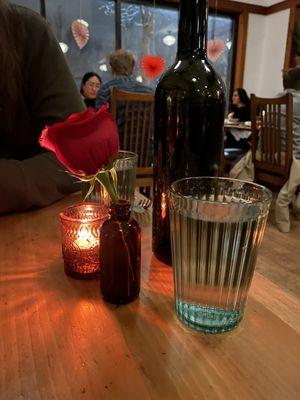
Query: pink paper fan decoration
[80, 32]
[214, 49]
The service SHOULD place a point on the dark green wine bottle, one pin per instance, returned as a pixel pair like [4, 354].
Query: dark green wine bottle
[189, 118]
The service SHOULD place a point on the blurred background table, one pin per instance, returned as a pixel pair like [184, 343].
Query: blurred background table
[60, 341]
[240, 126]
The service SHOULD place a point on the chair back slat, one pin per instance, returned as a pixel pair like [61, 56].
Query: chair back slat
[263, 133]
[272, 137]
[125, 125]
[140, 105]
[134, 115]
[289, 137]
[144, 131]
[132, 127]
[277, 136]
[150, 129]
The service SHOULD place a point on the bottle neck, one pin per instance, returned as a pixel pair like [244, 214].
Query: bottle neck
[120, 210]
[192, 34]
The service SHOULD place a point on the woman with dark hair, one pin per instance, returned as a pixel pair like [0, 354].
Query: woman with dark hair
[90, 86]
[36, 89]
[240, 108]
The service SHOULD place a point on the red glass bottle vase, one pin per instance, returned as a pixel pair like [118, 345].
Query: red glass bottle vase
[120, 255]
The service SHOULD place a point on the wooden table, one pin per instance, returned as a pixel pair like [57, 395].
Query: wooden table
[60, 341]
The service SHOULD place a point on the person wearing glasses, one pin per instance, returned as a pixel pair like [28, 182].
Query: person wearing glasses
[90, 86]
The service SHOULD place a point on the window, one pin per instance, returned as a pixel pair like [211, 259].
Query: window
[224, 28]
[144, 29]
[100, 16]
[33, 4]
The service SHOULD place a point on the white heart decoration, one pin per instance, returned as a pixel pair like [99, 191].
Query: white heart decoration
[80, 31]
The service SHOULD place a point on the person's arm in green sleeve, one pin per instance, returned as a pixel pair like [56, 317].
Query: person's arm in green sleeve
[51, 96]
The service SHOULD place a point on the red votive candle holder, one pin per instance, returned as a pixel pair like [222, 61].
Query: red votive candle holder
[80, 228]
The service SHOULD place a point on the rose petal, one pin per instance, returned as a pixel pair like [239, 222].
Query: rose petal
[84, 143]
[44, 140]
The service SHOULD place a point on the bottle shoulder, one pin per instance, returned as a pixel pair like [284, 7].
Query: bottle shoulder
[116, 224]
[193, 76]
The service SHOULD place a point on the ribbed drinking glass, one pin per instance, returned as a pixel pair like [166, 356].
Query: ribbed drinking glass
[217, 226]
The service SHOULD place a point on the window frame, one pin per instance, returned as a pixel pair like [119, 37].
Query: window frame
[232, 10]
[169, 4]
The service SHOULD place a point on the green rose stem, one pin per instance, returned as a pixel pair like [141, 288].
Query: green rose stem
[107, 179]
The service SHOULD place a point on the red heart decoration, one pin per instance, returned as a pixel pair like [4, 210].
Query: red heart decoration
[152, 65]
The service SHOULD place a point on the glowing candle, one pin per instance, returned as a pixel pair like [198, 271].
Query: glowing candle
[85, 239]
[80, 227]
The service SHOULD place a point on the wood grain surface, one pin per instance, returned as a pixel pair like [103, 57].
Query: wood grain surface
[60, 341]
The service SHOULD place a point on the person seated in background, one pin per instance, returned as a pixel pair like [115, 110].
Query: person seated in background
[287, 194]
[291, 84]
[36, 89]
[240, 108]
[90, 86]
[122, 64]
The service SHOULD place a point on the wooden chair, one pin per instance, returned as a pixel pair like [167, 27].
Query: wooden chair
[134, 114]
[272, 138]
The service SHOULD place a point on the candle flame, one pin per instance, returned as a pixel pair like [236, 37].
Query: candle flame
[85, 239]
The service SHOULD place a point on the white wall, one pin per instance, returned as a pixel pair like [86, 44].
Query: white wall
[274, 52]
[254, 53]
[265, 53]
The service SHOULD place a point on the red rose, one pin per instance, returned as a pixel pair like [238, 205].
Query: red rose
[85, 142]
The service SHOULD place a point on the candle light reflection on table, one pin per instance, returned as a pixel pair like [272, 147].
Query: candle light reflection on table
[163, 205]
